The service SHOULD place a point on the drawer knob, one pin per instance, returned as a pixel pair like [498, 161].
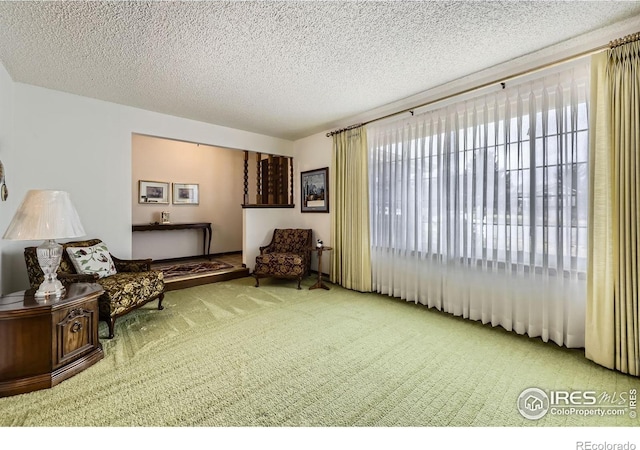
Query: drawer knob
[77, 326]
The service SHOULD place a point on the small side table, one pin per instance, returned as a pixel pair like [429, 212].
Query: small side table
[319, 284]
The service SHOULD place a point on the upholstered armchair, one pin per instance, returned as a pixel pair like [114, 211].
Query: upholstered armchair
[288, 255]
[127, 284]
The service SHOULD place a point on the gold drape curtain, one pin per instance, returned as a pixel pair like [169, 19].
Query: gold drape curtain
[351, 259]
[612, 316]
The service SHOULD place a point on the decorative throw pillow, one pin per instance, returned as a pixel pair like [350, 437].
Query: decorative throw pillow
[94, 259]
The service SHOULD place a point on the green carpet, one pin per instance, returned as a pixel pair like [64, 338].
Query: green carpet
[229, 354]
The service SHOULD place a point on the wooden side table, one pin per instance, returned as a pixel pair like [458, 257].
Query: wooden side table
[46, 341]
[319, 284]
[204, 226]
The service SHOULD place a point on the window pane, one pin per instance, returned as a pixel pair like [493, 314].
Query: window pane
[506, 182]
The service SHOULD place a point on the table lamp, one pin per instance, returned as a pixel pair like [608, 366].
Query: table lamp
[46, 215]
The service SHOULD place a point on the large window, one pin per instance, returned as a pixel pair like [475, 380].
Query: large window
[496, 184]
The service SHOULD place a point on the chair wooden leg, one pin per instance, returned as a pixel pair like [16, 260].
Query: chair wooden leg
[257, 281]
[299, 280]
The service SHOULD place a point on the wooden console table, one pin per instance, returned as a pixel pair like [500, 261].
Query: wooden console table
[204, 226]
[46, 341]
[319, 284]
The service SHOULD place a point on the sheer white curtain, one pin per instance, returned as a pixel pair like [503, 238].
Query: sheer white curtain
[479, 209]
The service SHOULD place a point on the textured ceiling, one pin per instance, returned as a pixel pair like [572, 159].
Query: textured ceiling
[286, 69]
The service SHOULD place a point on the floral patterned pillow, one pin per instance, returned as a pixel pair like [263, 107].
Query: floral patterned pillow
[94, 259]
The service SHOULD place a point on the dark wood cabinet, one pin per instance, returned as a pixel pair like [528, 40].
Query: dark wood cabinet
[45, 342]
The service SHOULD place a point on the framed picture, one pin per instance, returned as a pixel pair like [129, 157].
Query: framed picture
[185, 194]
[153, 192]
[315, 190]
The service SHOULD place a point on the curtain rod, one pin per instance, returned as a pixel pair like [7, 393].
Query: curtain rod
[629, 38]
[625, 40]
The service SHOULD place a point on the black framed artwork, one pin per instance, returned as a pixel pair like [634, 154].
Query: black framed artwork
[314, 189]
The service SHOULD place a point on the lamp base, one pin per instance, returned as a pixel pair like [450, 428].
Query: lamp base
[49, 255]
[50, 289]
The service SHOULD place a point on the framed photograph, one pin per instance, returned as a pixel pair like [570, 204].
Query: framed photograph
[315, 190]
[185, 194]
[153, 192]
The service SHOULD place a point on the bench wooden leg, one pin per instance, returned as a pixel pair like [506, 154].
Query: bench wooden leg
[160, 298]
[112, 324]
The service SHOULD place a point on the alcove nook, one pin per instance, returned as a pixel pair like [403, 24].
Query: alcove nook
[211, 175]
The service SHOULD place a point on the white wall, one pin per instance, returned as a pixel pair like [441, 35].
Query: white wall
[310, 153]
[219, 173]
[8, 157]
[82, 145]
[258, 225]
[314, 152]
[54, 140]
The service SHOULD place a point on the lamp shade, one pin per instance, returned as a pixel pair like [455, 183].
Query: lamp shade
[44, 215]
